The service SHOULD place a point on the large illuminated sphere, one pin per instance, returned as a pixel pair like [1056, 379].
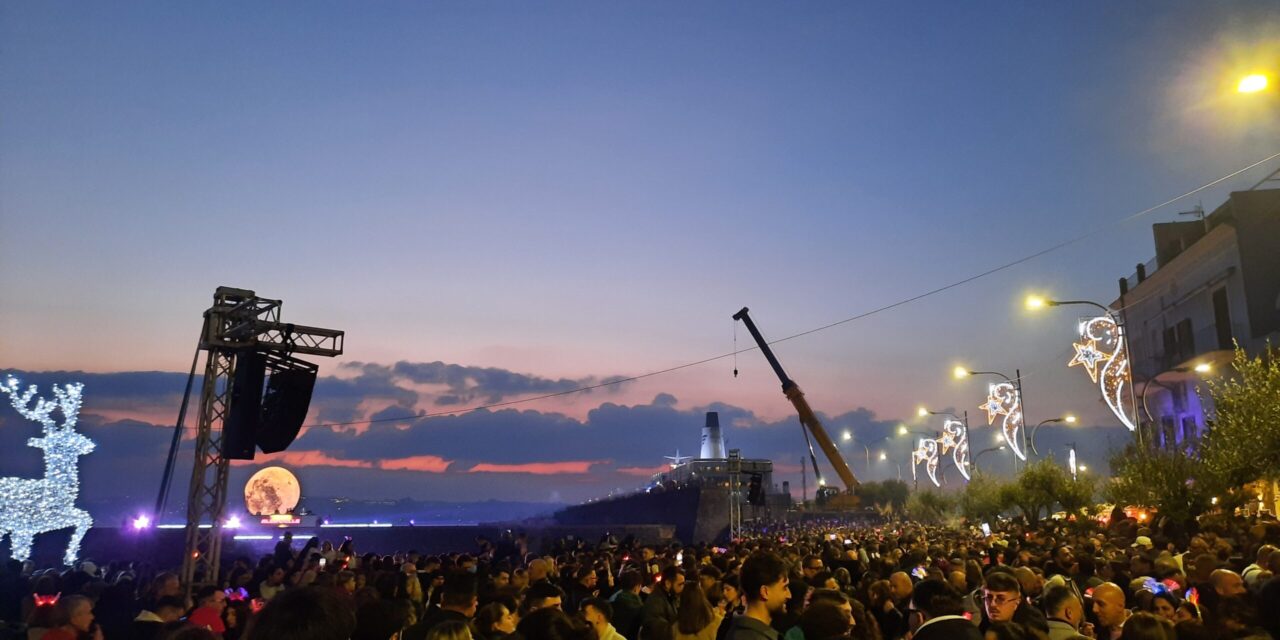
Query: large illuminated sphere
[272, 490]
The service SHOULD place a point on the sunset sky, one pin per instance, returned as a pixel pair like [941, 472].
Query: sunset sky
[499, 200]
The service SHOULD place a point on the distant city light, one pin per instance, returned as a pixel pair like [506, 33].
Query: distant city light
[1252, 83]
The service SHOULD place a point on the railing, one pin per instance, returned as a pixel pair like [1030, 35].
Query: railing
[1150, 266]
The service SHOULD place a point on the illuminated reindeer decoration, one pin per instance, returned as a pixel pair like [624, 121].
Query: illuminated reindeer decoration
[30, 506]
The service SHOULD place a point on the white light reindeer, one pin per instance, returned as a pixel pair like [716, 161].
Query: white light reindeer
[29, 506]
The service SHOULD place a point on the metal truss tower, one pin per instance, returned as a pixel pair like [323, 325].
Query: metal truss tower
[238, 322]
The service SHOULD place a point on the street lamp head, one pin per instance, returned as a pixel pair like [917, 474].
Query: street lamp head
[883, 456]
[846, 436]
[1069, 418]
[902, 429]
[1203, 367]
[1252, 83]
[922, 412]
[960, 372]
[1036, 302]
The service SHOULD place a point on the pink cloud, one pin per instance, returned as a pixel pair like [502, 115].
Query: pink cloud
[537, 468]
[308, 459]
[424, 463]
[643, 472]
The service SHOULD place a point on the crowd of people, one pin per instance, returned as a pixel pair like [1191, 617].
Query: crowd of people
[808, 581]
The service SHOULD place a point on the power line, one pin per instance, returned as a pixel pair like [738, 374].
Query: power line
[860, 316]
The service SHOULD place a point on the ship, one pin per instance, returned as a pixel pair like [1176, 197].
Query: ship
[699, 497]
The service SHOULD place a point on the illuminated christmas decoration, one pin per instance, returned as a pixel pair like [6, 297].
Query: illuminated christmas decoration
[1071, 462]
[953, 439]
[30, 506]
[927, 453]
[1003, 400]
[1102, 342]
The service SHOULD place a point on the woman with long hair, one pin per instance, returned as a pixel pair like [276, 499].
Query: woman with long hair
[494, 621]
[696, 619]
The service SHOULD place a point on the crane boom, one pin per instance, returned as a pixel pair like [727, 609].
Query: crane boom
[807, 417]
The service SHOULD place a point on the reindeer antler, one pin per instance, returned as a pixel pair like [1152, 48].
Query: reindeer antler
[66, 398]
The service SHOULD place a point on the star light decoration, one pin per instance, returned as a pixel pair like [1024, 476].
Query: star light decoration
[953, 439]
[927, 453]
[1102, 354]
[30, 506]
[1003, 399]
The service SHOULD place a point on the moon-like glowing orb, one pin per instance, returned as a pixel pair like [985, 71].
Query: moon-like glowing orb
[272, 490]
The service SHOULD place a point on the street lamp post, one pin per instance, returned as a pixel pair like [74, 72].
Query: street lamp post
[988, 449]
[1036, 302]
[1068, 419]
[1016, 381]
[965, 421]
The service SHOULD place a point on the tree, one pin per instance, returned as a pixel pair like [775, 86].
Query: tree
[930, 507]
[1170, 480]
[1077, 494]
[1242, 442]
[888, 497]
[981, 500]
[1036, 489]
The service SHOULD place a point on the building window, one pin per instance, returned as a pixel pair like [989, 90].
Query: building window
[1222, 318]
[1190, 430]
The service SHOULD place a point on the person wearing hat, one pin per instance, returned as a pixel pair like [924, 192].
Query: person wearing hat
[1143, 542]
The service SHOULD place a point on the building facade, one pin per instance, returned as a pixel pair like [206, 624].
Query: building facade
[1214, 283]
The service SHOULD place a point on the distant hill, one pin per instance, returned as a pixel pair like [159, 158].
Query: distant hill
[422, 512]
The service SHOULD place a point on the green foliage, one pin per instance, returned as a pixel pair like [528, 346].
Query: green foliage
[1036, 489]
[1077, 495]
[981, 500]
[930, 507]
[1242, 442]
[889, 495]
[1170, 480]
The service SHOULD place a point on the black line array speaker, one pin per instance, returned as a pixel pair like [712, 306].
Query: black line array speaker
[285, 408]
[240, 428]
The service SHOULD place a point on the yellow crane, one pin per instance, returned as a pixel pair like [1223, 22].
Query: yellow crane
[826, 496]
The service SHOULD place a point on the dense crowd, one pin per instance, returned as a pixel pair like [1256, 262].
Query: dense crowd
[811, 581]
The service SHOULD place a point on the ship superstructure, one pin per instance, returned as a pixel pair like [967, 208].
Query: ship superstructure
[699, 497]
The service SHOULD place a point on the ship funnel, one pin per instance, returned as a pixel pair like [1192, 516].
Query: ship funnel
[712, 441]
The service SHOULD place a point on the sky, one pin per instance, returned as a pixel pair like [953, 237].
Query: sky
[499, 200]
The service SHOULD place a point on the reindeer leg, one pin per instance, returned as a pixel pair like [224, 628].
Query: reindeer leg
[82, 522]
[21, 541]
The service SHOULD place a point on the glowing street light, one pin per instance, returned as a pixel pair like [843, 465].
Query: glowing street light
[1203, 367]
[1252, 83]
[902, 430]
[960, 373]
[883, 456]
[847, 436]
[922, 412]
[1036, 302]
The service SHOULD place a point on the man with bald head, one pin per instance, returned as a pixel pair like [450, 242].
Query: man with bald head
[1226, 583]
[900, 589]
[1109, 609]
